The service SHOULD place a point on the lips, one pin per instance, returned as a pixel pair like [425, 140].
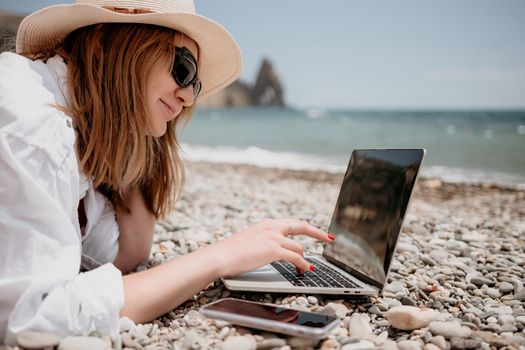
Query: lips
[170, 108]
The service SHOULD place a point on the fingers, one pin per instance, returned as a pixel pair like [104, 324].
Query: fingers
[296, 259]
[293, 245]
[299, 227]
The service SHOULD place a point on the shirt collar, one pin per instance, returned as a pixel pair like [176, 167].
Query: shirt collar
[58, 69]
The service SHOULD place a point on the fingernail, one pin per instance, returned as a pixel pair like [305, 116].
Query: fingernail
[312, 268]
[299, 271]
[331, 236]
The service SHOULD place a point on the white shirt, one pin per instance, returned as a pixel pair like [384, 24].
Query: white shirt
[41, 246]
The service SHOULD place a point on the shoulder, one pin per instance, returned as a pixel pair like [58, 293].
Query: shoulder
[28, 96]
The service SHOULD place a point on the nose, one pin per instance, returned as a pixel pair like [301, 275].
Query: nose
[185, 95]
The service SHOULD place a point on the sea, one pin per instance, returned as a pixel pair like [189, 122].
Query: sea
[474, 146]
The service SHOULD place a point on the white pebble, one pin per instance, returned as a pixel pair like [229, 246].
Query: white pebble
[239, 343]
[409, 317]
[360, 326]
[450, 329]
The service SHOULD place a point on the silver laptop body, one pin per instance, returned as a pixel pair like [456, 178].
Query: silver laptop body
[367, 220]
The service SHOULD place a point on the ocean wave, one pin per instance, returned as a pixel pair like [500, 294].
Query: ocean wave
[302, 161]
[259, 157]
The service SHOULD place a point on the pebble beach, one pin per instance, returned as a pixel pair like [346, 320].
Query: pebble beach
[456, 281]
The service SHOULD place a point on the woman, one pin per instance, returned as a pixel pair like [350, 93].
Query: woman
[89, 160]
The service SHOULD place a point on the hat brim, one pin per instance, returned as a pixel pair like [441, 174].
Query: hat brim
[219, 55]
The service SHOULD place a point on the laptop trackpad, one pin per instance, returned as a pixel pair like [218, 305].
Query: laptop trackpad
[265, 273]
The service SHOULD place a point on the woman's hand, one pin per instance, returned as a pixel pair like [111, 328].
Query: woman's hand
[156, 291]
[264, 243]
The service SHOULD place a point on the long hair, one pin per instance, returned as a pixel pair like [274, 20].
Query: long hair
[108, 65]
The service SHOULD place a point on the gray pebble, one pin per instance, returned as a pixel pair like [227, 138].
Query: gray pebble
[479, 281]
[374, 309]
[408, 301]
[520, 295]
[506, 287]
[462, 343]
[493, 293]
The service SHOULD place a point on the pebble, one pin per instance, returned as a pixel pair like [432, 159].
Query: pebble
[360, 326]
[449, 329]
[330, 344]
[301, 342]
[312, 300]
[239, 343]
[493, 293]
[391, 302]
[462, 343]
[479, 281]
[506, 287]
[271, 343]
[410, 317]
[191, 340]
[408, 301]
[335, 309]
[430, 346]
[394, 287]
[520, 295]
[491, 338]
[361, 345]
[439, 341]
[224, 332]
[83, 343]
[37, 340]
[409, 345]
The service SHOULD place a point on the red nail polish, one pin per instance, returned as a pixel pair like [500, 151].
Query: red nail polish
[331, 236]
[312, 268]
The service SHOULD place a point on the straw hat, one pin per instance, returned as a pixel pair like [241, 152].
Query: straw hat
[220, 61]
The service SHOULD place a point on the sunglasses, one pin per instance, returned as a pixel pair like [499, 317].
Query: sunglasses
[184, 70]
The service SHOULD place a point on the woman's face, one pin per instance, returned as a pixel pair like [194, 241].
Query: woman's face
[165, 99]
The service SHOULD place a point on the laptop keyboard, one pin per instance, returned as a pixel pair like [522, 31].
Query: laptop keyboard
[323, 276]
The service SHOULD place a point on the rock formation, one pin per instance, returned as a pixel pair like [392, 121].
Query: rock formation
[267, 91]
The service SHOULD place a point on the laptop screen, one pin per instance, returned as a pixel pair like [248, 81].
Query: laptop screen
[370, 209]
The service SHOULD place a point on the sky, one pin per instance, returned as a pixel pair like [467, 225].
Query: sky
[377, 54]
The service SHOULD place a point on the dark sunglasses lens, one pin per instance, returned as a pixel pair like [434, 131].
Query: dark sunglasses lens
[185, 72]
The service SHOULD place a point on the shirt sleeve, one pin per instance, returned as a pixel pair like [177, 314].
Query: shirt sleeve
[100, 241]
[40, 285]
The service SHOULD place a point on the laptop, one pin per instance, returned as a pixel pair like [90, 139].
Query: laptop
[367, 220]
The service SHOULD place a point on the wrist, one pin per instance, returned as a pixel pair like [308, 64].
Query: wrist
[218, 261]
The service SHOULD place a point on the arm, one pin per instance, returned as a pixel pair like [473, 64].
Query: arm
[154, 292]
[136, 231]
[40, 287]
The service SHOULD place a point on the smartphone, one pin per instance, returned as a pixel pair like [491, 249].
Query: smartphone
[269, 317]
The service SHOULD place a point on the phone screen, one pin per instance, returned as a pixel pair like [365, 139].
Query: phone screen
[270, 312]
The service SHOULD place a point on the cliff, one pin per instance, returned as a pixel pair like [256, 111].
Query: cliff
[267, 91]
